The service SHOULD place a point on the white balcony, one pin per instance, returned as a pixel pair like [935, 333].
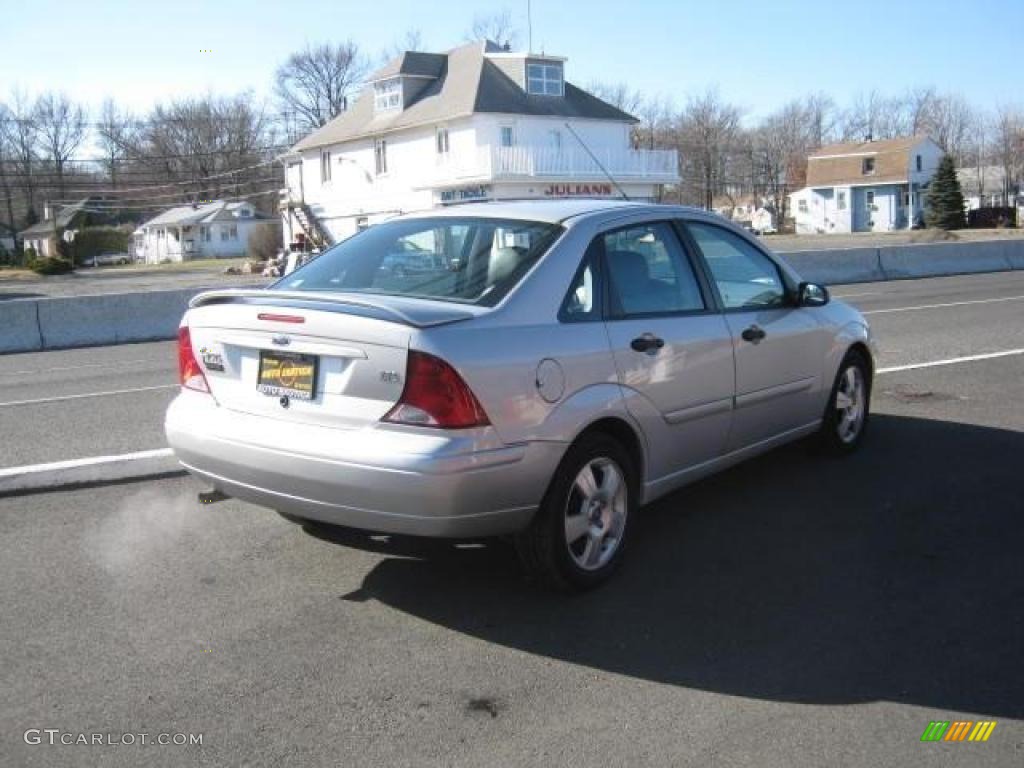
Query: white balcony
[510, 163]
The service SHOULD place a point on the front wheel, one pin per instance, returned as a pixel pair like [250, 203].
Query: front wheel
[577, 537]
[846, 416]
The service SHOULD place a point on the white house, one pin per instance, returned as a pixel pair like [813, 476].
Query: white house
[986, 186]
[875, 186]
[202, 231]
[475, 123]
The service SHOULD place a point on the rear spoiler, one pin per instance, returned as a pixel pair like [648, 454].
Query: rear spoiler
[327, 302]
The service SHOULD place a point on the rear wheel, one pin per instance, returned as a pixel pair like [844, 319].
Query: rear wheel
[846, 416]
[576, 539]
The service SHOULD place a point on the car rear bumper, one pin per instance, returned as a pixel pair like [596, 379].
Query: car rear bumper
[384, 479]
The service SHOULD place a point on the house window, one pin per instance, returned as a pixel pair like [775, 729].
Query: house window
[508, 136]
[869, 197]
[544, 79]
[555, 137]
[380, 156]
[442, 141]
[918, 163]
[228, 232]
[841, 201]
[801, 205]
[906, 197]
[204, 233]
[325, 166]
[867, 167]
[387, 95]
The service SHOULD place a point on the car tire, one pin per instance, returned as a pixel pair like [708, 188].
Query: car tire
[591, 500]
[849, 407]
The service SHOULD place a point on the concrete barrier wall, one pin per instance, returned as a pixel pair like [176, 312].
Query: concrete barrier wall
[80, 321]
[862, 265]
[944, 259]
[28, 325]
[19, 326]
[849, 265]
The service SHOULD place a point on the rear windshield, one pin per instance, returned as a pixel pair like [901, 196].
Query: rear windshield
[465, 260]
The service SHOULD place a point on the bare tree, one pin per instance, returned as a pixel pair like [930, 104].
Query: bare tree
[6, 164]
[114, 136]
[62, 130]
[619, 95]
[412, 40]
[21, 131]
[706, 135]
[1008, 147]
[655, 115]
[496, 27]
[315, 83]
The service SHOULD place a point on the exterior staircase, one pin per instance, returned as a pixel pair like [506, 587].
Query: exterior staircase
[315, 231]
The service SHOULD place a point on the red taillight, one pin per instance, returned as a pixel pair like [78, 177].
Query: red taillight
[436, 396]
[190, 375]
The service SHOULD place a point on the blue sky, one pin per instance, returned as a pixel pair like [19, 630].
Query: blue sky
[759, 54]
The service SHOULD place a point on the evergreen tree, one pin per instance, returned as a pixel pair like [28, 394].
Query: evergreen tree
[945, 199]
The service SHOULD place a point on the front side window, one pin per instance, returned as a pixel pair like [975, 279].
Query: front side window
[544, 79]
[325, 166]
[648, 272]
[465, 260]
[387, 95]
[745, 277]
[380, 156]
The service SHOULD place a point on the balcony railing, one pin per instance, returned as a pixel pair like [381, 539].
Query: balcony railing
[492, 163]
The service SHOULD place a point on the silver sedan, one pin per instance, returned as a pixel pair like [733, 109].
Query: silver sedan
[559, 365]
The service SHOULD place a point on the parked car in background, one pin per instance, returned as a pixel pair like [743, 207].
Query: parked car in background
[575, 360]
[107, 259]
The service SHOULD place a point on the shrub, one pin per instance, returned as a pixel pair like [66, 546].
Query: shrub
[50, 265]
[265, 241]
[92, 241]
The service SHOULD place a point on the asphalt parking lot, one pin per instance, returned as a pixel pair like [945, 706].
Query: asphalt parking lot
[793, 611]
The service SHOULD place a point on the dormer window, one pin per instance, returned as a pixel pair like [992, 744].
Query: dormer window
[544, 79]
[387, 95]
[867, 167]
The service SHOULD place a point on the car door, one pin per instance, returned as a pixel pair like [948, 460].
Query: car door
[672, 349]
[779, 347]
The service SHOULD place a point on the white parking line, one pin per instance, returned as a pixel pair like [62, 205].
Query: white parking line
[64, 368]
[94, 469]
[951, 361]
[61, 398]
[939, 306]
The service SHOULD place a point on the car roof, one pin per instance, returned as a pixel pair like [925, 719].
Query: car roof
[552, 211]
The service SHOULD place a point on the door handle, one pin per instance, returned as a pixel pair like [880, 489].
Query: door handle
[648, 342]
[753, 334]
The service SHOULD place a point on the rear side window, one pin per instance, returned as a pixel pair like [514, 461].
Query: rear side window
[648, 272]
[744, 276]
[583, 300]
[465, 260]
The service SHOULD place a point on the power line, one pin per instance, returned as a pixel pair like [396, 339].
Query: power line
[137, 198]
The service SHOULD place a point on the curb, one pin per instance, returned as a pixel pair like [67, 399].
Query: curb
[39, 478]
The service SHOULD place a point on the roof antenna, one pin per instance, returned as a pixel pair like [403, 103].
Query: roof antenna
[594, 158]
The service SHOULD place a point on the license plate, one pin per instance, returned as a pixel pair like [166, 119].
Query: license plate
[287, 373]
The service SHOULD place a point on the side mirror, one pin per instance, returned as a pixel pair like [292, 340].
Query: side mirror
[812, 295]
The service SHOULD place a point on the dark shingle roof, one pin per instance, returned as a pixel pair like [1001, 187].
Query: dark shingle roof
[412, 63]
[65, 217]
[467, 83]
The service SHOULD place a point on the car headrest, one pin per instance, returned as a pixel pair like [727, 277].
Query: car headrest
[502, 264]
[629, 269]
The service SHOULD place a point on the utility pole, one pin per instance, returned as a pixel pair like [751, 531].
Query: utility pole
[529, 27]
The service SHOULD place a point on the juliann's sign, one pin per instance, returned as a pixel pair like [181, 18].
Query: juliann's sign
[578, 190]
